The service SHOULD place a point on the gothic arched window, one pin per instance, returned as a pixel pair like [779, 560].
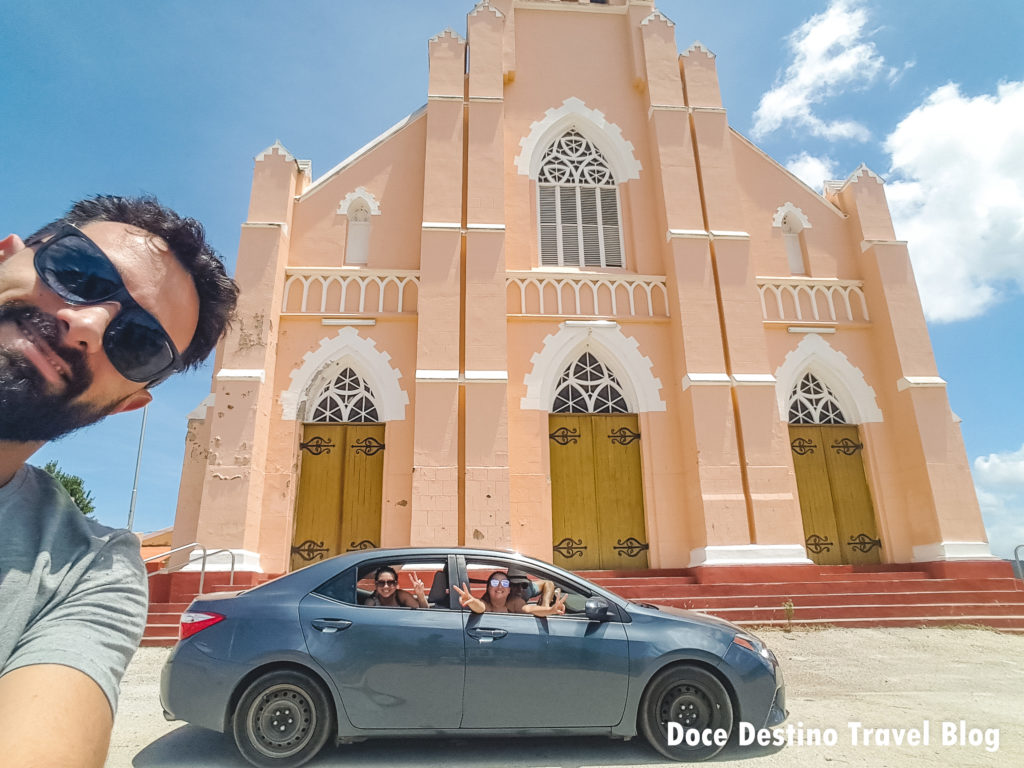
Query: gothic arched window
[346, 399]
[587, 386]
[578, 205]
[812, 402]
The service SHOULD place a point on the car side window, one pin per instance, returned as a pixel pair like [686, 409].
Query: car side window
[528, 584]
[341, 588]
[372, 587]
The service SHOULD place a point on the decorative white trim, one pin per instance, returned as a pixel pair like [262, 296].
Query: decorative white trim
[592, 124]
[804, 294]
[688, 234]
[483, 5]
[865, 244]
[220, 562]
[750, 554]
[242, 374]
[447, 225]
[485, 227]
[952, 550]
[199, 412]
[349, 279]
[447, 32]
[346, 348]
[571, 286]
[698, 46]
[862, 172]
[753, 378]
[347, 321]
[814, 354]
[277, 148]
[486, 376]
[359, 193]
[618, 352]
[919, 381]
[726, 234]
[809, 329]
[788, 207]
[657, 16]
[363, 150]
[704, 379]
[590, 324]
[436, 375]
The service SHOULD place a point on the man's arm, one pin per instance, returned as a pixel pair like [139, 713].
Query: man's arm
[53, 717]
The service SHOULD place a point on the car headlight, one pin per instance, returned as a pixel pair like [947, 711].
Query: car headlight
[757, 646]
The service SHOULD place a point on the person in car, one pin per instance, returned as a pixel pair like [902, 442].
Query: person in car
[525, 588]
[388, 593]
[498, 598]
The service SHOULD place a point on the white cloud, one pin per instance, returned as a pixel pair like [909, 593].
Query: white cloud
[999, 478]
[958, 197]
[830, 56]
[812, 170]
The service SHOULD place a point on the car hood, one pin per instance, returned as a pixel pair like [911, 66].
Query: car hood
[690, 616]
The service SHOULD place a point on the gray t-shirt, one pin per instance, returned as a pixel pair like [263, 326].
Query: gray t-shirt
[72, 592]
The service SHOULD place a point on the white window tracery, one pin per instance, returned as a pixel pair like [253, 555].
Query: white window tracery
[813, 402]
[578, 205]
[587, 386]
[346, 399]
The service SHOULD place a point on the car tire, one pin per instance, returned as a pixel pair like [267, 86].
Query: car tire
[692, 697]
[282, 720]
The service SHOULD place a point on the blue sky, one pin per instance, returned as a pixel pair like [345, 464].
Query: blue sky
[175, 99]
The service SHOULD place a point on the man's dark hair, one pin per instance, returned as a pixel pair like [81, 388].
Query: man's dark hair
[186, 238]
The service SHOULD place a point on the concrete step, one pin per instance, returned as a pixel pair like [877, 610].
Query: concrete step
[1002, 623]
[636, 590]
[870, 611]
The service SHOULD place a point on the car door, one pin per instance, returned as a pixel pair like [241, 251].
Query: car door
[394, 667]
[528, 672]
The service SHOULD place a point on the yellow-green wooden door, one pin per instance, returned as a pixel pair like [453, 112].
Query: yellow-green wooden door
[338, 503]
[597, 492]
[835, 504]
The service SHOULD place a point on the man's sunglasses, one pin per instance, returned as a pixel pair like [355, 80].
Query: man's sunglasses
[76, 269]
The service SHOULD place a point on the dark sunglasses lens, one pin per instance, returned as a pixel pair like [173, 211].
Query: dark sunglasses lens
[137, 346]
[74, 269]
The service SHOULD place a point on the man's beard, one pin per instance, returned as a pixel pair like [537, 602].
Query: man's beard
[29, 411]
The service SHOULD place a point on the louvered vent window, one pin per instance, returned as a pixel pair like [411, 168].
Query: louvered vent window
[813, 403]
[579, 206]
[587, 386]
[346, 399]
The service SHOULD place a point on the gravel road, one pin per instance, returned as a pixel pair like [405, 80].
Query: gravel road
[889, 679]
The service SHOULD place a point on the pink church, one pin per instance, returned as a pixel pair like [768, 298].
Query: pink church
[569, 310]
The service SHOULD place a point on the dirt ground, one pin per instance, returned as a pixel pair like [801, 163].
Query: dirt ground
[892, 679]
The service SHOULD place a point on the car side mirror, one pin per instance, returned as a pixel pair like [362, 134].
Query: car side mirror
[599, 609]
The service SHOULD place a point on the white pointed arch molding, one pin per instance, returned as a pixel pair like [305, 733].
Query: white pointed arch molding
[573, 113]
[815, 355]
[619, 352]
[347, 347]
[359, 193]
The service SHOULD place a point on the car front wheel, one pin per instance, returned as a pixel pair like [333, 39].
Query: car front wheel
[697, 702]
[282, 720]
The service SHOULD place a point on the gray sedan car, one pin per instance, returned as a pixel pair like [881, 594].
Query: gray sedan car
[321, 655]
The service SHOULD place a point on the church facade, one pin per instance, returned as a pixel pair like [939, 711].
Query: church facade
[569, 310]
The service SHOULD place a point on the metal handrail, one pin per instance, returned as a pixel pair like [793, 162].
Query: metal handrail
[202, 568]
[1019, 570]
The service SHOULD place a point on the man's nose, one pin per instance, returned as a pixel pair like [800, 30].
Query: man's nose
[86, 324]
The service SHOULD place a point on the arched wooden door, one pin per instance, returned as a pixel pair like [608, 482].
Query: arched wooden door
[341, 473]
[835, 503]
[597, 505]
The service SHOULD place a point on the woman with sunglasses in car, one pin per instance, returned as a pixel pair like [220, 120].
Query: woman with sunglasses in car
[387, 591]
[497, 599]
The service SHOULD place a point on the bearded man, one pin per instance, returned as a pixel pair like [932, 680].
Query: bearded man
[96, 309]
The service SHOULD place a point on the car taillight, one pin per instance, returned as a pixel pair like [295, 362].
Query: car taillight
[197, 621]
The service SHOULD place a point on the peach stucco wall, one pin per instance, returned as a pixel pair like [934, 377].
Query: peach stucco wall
[456, 215]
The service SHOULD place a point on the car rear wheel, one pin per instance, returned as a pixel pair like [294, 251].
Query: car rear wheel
[696, 700]
[282, 720]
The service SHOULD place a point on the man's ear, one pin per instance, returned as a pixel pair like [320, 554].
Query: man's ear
[134, 401]
[10, 245]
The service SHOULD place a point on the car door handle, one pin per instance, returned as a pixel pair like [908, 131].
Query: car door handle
[329, 626]
[486, 635]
